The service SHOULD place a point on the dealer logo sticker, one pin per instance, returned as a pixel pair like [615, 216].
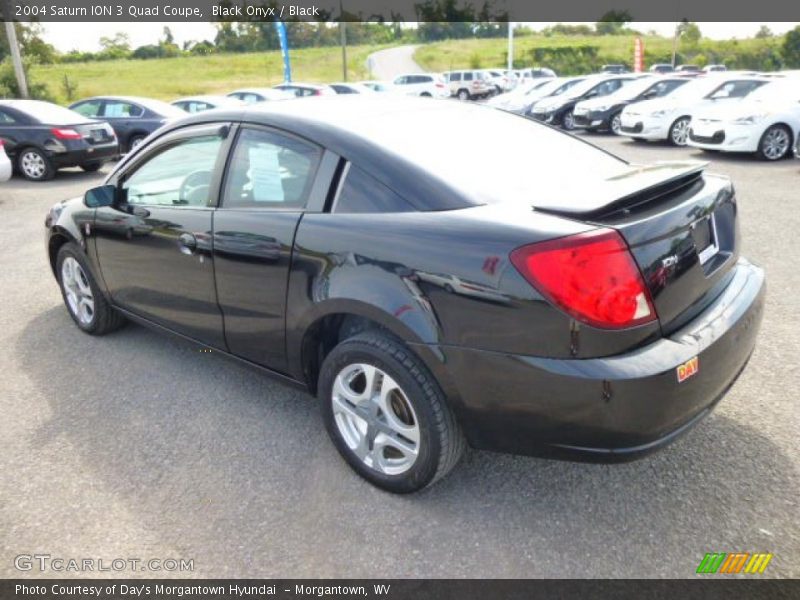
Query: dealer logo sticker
[687, 369]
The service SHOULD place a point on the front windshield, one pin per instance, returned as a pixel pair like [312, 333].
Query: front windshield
[696, 89]
[565, 87]
[545, 87]
[634, 88]
[584, 86]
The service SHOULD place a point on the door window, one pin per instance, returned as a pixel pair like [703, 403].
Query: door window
[121, 110]
[179, 175]
[89, 109]
[269, 170]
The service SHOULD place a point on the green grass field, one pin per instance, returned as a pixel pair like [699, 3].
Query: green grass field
[491, 53]
[170, 78]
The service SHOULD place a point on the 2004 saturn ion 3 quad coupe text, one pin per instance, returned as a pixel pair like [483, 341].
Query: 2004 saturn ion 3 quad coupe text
[430, 297]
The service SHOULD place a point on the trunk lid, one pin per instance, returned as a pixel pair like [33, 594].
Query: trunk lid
[681, 227]
[95, 132]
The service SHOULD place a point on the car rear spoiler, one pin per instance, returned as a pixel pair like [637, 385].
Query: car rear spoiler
[633, 187]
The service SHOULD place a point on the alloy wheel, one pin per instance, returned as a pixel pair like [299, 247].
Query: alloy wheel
[33, 165]
[375, 419]
[77, 290]
[775, 144]
[680, 132]
[616, 124]
[569, 121]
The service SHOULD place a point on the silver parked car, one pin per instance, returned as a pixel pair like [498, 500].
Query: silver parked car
[5, 164]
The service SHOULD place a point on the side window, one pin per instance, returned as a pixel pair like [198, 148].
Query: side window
[455, 76]
[362, 193]
[6, 118]
[467, 76]
[89, 109]
[121, 110]
[269, 170]
[179, 175]
[400, 80]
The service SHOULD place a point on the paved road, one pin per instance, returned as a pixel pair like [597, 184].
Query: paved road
[388, 64]
[136, 445]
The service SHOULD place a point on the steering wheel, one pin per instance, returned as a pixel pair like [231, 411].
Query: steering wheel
[194, 188]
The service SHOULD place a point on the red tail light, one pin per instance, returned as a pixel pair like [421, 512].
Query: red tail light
[66, 134]
[440, 85]
[592, 276]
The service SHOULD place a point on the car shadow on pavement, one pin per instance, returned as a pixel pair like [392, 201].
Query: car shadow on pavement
[236, 471]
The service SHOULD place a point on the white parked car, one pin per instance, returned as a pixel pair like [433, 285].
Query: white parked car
[668, 118]
[344, 87]
[517, 99]
[378, 86]
[430, 85]
[193, 104]
[524, 97]
[254, 95]
[766, 122]
[5, 164]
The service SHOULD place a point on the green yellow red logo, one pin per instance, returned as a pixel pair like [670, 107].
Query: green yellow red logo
[734, 562]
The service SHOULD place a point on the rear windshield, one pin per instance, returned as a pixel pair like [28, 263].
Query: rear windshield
[162, 108]
[450, 152]
[52, 114]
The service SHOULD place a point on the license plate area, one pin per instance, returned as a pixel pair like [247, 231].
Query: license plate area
[706, 240]
[98, 135]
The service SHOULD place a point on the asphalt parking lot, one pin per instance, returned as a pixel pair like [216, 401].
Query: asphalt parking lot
[140, 446]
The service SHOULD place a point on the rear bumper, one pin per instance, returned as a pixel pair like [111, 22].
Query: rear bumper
[614, 408]
[86, 155]
[5, 167]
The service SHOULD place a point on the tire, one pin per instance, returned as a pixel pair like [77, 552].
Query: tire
[679, 131]
[775, 144]
[134, 141]
[463, 95]
[77, 286]
[615, 123]
[35, 165]
[426, 95]
[568, 121]
[416, 416]
[91, 167]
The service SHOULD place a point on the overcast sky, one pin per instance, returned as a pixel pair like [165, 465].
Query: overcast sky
[85, 36]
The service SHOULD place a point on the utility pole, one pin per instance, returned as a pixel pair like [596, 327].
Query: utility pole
[678, 33]
[510, 45]
[16, 58]
[343, 34]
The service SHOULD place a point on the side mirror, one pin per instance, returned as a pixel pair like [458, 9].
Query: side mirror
[105, 195]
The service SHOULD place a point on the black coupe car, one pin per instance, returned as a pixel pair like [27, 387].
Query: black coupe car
[427, 304]
[132, 118]
[41, 137]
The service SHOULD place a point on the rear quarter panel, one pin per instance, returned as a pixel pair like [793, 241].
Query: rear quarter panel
[438, 279]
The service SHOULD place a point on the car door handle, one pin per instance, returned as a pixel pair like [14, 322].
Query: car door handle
[187, 243]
